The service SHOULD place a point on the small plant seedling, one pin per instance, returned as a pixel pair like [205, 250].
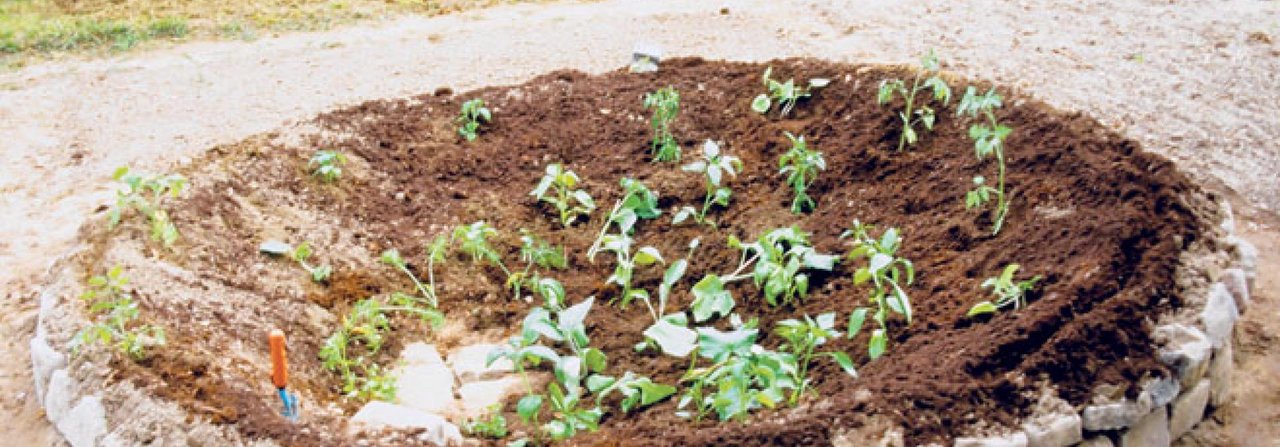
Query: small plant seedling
[713, 167]
[780, 255]
[988, 139]
[743, 376]
[803, 337]
[801, 167]
[494, 427]
[469, 118]
[916, 110]
[888, 273]
[1007, 292]
[473, 239]
[117, 327]
[670, 277]
[327, 165]
[535, 252]
[620, 245]
[318, 273]
[665, 103]
[557, 187]
[785, 93]
[144, 194]
[637, 391]
[351, 350]
[637, 202]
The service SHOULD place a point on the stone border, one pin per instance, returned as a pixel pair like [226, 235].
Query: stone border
[1194, 341]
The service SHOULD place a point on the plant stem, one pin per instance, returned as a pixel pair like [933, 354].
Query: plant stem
[1002, 206]
[910, 97]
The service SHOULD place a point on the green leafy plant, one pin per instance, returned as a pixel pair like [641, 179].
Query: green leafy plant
[535, 252]
[637, 391]
[801, 167]
[570, 202]
[624, 270]
[988, 139]
[916, 110]
[780, 255]
[670, 277]
[116, 314]
[469, 118]
[803, 336]
[713, 167]
[637, 202]
[888, 273]
[494, 427]
[742, 376]
[144, 194]
[436, 252]
[327, 165]
[665, 103]
[318, 273]
[473, 239]
[785, 93]
[351, 350]
[1006, 291]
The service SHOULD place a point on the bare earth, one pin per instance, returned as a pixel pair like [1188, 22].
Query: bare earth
[1194, 81]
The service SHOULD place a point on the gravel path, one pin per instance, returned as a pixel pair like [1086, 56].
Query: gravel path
[1195, 81]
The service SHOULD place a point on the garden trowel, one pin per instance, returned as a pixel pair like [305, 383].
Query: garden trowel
[280, 374]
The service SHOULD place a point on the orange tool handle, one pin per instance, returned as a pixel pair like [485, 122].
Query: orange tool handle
[279, 363]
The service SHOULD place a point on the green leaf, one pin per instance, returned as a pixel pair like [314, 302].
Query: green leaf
[674, 340]
[717, 345]
[710, 299]
[876, 347]
[845, 363]
[595, 360]
[761, 104]
[573, 317]
[528, 407]
[648, 255]
[651, 392]
[985, 307]
[856, 319]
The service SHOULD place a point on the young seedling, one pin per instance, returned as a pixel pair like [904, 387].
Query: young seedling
[473, 239]
[495, 427]
[713, 167]
[785, 93]
[469, 118]
[674, 273]
[780, 255]
[1007, 292]
[801, 167]
[637, 391]
[887, 273]
[327, 165]
[988, 139]
[620, 246]
[351, 350]
[144, 195]
[637, 202]
[318, 273]
[535, 252]
[665, 103]
[743, 376]
[803, 337]
[570, 202]
[914, 112]
[436, 252]
[116, 328]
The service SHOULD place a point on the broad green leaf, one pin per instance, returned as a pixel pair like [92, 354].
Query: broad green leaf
[651, 392]
[674, 340]
[574, 316]
[595, 360]
[710, 299]
[876, 347]
[815, 260]
[648, 255]
[597, 382]
[761, 104]
[717, 345]
[879, 261]
[684, 214]
[528, 407]
[845, 363]
[856, 319]
[538, 322]
[985, 307]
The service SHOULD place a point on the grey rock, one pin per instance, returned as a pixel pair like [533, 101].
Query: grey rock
[436, 429]
[1189, 409]
[468, 363]
[1160, 391]
[274, 248]
[1185, 349]
[85, 423]
[1097, 441]
[423, 381]
[1228, 224]
[1220, 376]
[44, 361]
[1150, 431]
[1219, 315]
[1246, 258]
[1238, 284]
[1016, 439]
[60, 395]
[1056, 430]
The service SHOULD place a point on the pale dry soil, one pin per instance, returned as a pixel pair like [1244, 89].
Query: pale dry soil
[1194, 81]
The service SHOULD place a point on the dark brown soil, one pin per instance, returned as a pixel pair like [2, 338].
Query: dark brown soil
[1102, 221]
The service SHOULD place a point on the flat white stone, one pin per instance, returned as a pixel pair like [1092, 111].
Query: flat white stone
[1161, 390]
[437, 430]
[1189, 409]
[1185, 349]
[421, 354]
[1219, 315]
[57, 401]
[84, 424]
[44, 361]
[1056, 430]
[425, 387]
[1016, 439]
[468, 363]
[477, 397]
[1220, 376]
[1151, 431]
[1097, 441]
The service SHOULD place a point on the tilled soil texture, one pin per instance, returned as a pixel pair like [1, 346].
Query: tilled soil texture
[1099, 219]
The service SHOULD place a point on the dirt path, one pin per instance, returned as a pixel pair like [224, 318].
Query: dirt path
[1193, 82]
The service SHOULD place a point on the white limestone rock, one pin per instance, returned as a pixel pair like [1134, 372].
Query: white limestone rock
[436, 429]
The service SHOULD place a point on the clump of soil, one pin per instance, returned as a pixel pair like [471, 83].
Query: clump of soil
[1102, 221]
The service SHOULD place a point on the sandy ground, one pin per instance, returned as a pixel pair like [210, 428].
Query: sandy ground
[1195, 81]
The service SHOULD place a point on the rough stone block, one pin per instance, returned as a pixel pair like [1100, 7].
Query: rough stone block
[1097, 441]
[1054, 430]
[1189, 409]
[468, 363]
[1219, 315]
[423, 381]
[1185, 349]
[1016, 439]
[477, 397]
[1150, 431]
[1246, 258]
[1220, 376]
[84, 424]
[60, 395]
[1160, 391]
[436, 429]
[1238, 284]
[44, 361]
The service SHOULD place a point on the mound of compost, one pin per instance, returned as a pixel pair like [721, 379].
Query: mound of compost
[1099, 219]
